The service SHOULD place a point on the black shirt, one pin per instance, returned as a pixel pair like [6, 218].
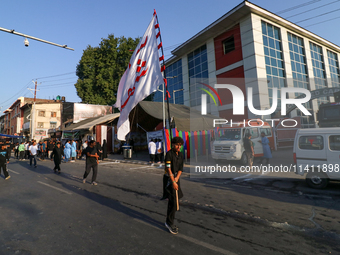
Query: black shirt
[247, 144]
[176, 161]
[92, 151]
[4, 157]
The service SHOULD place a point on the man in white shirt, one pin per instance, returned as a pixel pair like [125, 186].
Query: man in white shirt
[33, 149]
[152, 151]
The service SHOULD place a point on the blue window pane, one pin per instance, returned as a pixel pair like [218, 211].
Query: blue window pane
[265, 41]
[267, 60]
[266, 51]
[197, 61]
[203, 57]
[277, 45]
[264, 28]
[273, 62]
[205, 74]
[271, 43]
[277, 34]
[274, 71]
[204, 66]
[270, 31]
[268, 69]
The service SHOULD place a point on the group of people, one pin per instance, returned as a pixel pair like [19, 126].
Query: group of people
[155, 147]
[249, 149]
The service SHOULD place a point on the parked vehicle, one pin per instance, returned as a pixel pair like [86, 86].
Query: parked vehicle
[317, 154]
[229, 141]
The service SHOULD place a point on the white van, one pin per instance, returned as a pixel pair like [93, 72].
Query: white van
[228, 144]
[317, 153]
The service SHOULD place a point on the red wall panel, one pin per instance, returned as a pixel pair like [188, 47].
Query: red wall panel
[223, 60]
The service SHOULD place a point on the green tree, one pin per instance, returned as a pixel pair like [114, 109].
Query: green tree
[100, 69]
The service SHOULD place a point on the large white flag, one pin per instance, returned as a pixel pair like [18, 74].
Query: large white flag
[141, 78]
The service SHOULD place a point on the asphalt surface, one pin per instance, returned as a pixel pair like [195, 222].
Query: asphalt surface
[46, 213]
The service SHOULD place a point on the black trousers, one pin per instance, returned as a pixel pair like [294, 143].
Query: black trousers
[27, 154]
[4, 169]
[170, 215]
[57, 165]
[94, 167]
[22, 154]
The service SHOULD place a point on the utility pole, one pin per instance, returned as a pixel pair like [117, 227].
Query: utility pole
[33, 110]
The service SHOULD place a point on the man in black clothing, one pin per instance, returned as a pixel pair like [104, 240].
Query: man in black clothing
[57, 155]
[173, 170]
[91, 162]
[4, 160]
[249, 149]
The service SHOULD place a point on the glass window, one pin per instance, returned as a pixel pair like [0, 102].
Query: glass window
[273, 58]
[41, 113]
[197, 69]
[228, 45]
[253, 132]
[318, 70]
[334, 142]
[53, 114]
[311, 142]
[40, 124]
[175, 81]
[267, 131]
[334, 68]
[53, 125]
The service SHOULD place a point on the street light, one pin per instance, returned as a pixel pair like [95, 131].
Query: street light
[173, 93]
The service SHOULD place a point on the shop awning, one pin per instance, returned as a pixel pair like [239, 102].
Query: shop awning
[185, 118]
[88, 124]
[11, 136]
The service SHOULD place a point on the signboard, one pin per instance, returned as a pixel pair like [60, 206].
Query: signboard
[40, 133]
[155, 135]
[85, 111]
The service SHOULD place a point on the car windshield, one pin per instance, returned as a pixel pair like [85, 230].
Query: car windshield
[229, 134]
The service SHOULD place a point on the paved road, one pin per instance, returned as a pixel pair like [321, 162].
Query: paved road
[46, 213]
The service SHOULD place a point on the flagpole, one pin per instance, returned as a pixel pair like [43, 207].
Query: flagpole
[165, 81]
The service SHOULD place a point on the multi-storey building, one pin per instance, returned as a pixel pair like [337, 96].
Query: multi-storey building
[263, 49]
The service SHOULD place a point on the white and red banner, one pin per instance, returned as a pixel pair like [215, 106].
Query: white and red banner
[141, 78]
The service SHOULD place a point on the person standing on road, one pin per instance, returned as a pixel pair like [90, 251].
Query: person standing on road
[4, 160]
[73, 150]
[91, 162]
[104, 149]
[152, 151]
[50, 148]
[84, 146]
[267, 154]
[173, 170]
[67, 151]
[27, 152]
[57, 155]
[42, 150]
[21, 150]
[33, 149]
[249, 149]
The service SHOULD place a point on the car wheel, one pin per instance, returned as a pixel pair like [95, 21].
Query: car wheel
[317, 180]
[244, 159]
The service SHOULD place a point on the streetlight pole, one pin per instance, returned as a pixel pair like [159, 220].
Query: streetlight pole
[173, 93]
[12, 31]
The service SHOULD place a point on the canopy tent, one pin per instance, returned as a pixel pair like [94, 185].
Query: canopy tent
[88, 124]
[184, 117]
[11, 136]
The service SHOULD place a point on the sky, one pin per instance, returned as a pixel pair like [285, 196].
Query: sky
[79, 23]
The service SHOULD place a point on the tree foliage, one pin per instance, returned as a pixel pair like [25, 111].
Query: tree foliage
[100, 69]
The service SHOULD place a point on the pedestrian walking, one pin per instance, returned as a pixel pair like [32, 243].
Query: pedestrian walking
[21, 150]
[73, 150]
[57, 154]
[173, 170]
[267, 154]
[33, 149]
[4, 160]
[67, 151]
[249, 149]
[91, 162]
[159, 151]
[152, 151]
